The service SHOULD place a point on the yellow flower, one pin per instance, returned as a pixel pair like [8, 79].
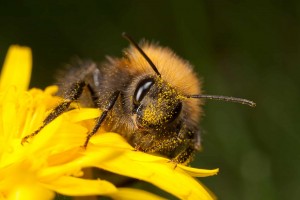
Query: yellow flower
[52, 161]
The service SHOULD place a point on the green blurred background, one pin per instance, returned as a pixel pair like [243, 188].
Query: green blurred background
[240, 48]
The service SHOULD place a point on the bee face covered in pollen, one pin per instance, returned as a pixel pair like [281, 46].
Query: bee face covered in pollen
[159, 107]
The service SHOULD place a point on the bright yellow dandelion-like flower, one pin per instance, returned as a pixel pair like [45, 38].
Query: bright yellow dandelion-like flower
[52, 162]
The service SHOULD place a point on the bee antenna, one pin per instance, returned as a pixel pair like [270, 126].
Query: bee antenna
[223, 98]
[127, 37]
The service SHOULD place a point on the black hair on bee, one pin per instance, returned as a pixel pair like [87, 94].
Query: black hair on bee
[150, 96]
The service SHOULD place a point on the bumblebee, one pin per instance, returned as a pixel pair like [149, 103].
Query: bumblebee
[150, 96]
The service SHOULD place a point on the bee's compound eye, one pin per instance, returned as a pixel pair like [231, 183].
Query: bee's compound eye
[142, 89]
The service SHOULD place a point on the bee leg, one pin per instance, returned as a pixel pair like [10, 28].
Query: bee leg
[184, 156]
[111, 102]
[191, 142]
[178, 150]
[72, 94]
[93, 95]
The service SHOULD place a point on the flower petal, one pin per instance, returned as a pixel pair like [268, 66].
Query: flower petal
[73, 186]
[30, 191]
[81, 114]
[8, 109]
[16, 70]
[195, 172]
[134, 194]
[154, 169]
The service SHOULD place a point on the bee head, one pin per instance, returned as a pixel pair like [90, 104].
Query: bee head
[155, 103]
